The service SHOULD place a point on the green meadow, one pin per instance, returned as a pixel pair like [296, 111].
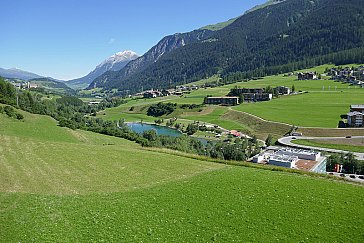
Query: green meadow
[321, 104]
[58, 184]
[331, 145]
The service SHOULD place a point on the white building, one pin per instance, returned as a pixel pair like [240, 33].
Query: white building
[300, 153]
[283, 160]
[355, 119]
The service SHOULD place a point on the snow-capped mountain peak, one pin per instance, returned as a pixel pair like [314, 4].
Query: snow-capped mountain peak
[113, 63]
[119, 57]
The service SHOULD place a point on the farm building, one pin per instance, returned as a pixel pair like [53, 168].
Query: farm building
[222, 100]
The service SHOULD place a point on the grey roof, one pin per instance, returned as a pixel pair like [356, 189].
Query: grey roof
[357, 106]
[354, 113]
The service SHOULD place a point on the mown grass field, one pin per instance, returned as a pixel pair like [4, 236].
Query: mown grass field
[322, 106]
[320, 109]
[69, 186]
[331, 145]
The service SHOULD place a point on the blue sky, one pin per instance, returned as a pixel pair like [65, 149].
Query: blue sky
[66, 39]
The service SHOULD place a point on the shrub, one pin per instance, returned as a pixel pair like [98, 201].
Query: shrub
[19, 116]
[161, 109]
[9, 111]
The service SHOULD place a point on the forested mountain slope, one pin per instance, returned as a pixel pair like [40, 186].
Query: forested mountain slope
[279, 34]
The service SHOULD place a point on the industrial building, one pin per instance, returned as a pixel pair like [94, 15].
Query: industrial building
[293, 158]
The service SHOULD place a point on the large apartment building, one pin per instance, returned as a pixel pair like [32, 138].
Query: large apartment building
[222, 100]
[356, 116]
[251, 95]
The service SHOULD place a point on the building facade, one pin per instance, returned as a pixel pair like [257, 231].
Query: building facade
[222, 100]
[355, 119]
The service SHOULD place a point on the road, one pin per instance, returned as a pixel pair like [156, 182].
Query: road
[350, 177]
[287, 141]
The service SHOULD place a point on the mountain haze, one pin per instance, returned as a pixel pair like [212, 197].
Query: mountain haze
[113, 63]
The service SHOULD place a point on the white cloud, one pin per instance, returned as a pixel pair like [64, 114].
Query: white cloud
[111, 41]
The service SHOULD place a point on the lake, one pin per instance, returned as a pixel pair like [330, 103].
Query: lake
[160, 130]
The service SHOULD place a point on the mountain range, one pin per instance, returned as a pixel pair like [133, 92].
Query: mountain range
[269, 38]
[113, 63]
[17, 73]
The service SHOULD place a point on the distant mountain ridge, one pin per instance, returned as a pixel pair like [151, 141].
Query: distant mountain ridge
[113, 63]
[274, 34]
[166, 45]
[18, 73]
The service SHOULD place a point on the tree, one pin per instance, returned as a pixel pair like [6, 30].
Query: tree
[293, 88]
[269, 140]
[191, 129]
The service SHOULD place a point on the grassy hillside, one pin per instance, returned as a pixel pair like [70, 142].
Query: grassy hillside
[63, 161]
[340, 144]
[81, 186]
[219, 26]
[322, 106]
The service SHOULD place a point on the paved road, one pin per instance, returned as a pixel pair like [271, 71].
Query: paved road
[288, 142]
[350, 177]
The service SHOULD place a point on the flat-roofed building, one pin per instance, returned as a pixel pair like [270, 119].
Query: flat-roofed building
[222, 100]
[282, 160]
[358, 108]
[355, 119]
[300, 153]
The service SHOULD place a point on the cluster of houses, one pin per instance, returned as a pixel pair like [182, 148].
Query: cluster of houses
[293, 158]
[240, 95]
[307, 75]
[179, 90]
[354, 76]
[356, 116]
[24, 85]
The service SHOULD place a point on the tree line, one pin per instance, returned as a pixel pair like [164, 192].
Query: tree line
[73, 113]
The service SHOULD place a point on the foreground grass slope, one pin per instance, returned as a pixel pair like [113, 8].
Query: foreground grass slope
[62, 161]
[234, 204]
[63, 185]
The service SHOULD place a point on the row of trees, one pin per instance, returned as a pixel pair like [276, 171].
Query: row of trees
[11, 112]
[239, 149]
[71, 112]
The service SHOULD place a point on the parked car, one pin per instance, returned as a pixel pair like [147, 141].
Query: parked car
[352, 176]
[342, 175]
[361, 177]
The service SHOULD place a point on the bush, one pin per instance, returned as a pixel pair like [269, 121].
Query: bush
[161, 109]
[19, 116]
[9, 111]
